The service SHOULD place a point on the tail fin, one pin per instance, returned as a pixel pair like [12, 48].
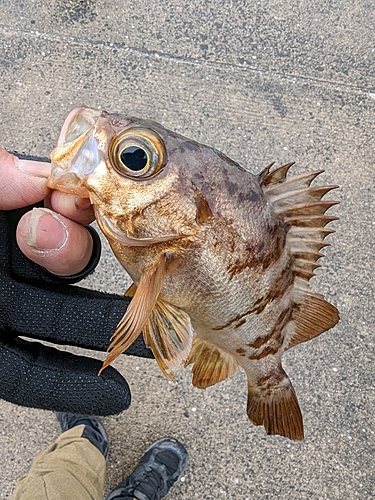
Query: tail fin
[277, 409]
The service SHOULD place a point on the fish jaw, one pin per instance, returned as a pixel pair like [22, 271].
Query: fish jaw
[79, 152]
[112, 232]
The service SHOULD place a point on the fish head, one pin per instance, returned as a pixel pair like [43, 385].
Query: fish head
[131, 171]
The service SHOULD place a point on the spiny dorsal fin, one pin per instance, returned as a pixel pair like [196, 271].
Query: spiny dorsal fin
[211, 364]
[169, 334]
[303, 210]
[138, 311]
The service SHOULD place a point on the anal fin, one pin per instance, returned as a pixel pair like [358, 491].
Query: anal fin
[277, 409]
[211, 364]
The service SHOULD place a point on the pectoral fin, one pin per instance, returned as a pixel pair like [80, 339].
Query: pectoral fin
[168, 332]
[130, 292]
[138, 311]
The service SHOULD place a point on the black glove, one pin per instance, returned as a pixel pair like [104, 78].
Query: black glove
[37, 304]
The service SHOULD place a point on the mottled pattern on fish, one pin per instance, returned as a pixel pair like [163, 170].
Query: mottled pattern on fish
[220, 258]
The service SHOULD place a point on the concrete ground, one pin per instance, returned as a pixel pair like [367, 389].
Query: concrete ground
[262, 81]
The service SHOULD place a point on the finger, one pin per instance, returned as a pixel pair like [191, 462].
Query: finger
[71, 206]
[60, 245]
[22, 182]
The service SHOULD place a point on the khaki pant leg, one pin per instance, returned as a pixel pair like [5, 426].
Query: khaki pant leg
[70, 469]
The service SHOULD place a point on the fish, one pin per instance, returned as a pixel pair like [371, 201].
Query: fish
[220, 258]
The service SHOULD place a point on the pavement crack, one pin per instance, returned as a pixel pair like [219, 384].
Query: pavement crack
[187, 60]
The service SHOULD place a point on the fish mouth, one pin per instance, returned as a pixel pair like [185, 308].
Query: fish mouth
[111, 231]
[66, 182]
[77, 154]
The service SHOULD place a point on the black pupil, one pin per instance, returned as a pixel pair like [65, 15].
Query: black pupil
[134, 158]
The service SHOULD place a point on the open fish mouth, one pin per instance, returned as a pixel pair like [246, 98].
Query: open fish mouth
[111, 231]
[78, 153]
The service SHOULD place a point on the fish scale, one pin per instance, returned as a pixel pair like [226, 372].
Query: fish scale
[220, 258]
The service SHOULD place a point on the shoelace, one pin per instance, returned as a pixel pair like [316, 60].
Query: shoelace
[151, 481]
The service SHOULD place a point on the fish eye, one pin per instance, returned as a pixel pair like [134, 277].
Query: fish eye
[137, 153]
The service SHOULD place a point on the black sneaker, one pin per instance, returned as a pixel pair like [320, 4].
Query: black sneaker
[93, 431]
[159, 468]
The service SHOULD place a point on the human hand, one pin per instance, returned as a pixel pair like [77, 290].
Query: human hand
[39, 302]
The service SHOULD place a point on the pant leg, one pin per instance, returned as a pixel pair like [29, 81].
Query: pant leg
[72, 468]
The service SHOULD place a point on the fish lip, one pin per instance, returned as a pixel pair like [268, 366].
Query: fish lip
[111, 231]
[91, 116]
[68, 120]
[66, 182]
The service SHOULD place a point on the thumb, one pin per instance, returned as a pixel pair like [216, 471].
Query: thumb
[60, 245]
[22, 182]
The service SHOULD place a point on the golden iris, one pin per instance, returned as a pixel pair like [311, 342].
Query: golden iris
[137, 152]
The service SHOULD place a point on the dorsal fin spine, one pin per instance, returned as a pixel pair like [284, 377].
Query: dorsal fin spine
[278, 175]
[307, 255]
[312, 232]
[298, 181]
[307, 245]
[309, 221]
[312, 208]
[301, 196]
[305, 264]
[265, 172]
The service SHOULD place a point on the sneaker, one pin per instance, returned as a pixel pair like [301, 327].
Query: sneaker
[93, 431]
[159, 468]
